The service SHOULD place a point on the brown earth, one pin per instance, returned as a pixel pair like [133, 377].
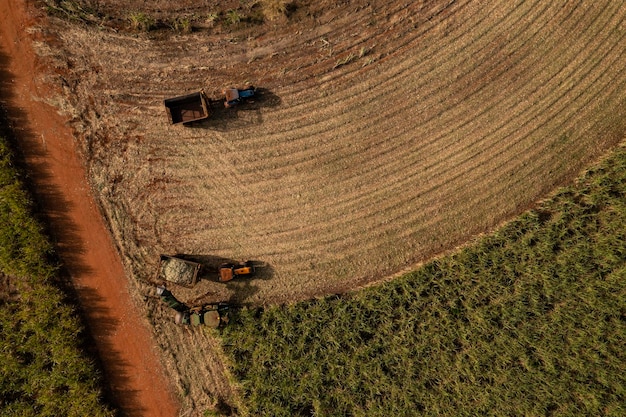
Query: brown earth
[387, 132]
[123, 341]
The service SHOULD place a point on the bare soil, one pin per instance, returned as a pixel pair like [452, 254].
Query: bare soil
[386, 133]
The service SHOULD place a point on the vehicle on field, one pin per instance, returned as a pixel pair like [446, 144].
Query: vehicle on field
[196, 106]
[168, 298]
[178, 271]
[234, 96]
[187, 109]
[212, 315]
[230, 271]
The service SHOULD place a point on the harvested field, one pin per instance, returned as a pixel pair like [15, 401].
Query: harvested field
[380, 140]
[385, 133]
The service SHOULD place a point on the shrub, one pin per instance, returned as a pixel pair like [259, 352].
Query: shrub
[182, 25]
[141, 21]
[233, 17]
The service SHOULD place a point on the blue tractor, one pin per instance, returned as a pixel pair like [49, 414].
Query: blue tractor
[234, 96]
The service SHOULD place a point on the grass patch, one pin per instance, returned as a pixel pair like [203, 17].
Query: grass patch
[74, 10]
[43, 371]
[182, 25]
[530, 320]
[345, 61]
[351, 57]
[149, 20]
[141, 22]
[233, 17]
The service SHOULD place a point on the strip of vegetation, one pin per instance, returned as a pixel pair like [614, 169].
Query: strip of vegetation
[530, 320]
[89, 12]
[43, 371]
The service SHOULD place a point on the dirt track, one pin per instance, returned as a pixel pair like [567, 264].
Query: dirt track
[136, 380]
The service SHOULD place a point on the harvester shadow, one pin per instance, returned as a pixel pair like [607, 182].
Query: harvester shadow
[242, 288]
[241, 116]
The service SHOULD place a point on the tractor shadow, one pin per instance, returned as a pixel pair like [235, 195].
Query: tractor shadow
[241, 116]
[244, 289]
[241, 288]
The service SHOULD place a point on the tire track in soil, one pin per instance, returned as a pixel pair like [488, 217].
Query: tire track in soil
[136, 383]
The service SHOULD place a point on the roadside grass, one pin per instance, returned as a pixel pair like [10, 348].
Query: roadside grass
[142, 22]
[529, 320]
[43, 371]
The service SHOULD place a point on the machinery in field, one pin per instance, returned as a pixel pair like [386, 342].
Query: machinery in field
[184, 272]
[179, 271]
[212, 315]
[230, 271]
[195, 107]
[234, 96]
[187, 109]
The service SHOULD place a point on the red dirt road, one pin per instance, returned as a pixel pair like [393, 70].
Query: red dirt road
[124, 344]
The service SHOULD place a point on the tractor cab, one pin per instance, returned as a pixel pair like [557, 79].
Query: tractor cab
[230, 271]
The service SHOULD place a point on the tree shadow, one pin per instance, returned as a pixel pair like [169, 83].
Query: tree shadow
[30, 152]
[114, 368]
[241, 116]
[50, 207]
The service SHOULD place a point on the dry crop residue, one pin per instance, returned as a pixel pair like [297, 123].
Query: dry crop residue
[386, 133]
